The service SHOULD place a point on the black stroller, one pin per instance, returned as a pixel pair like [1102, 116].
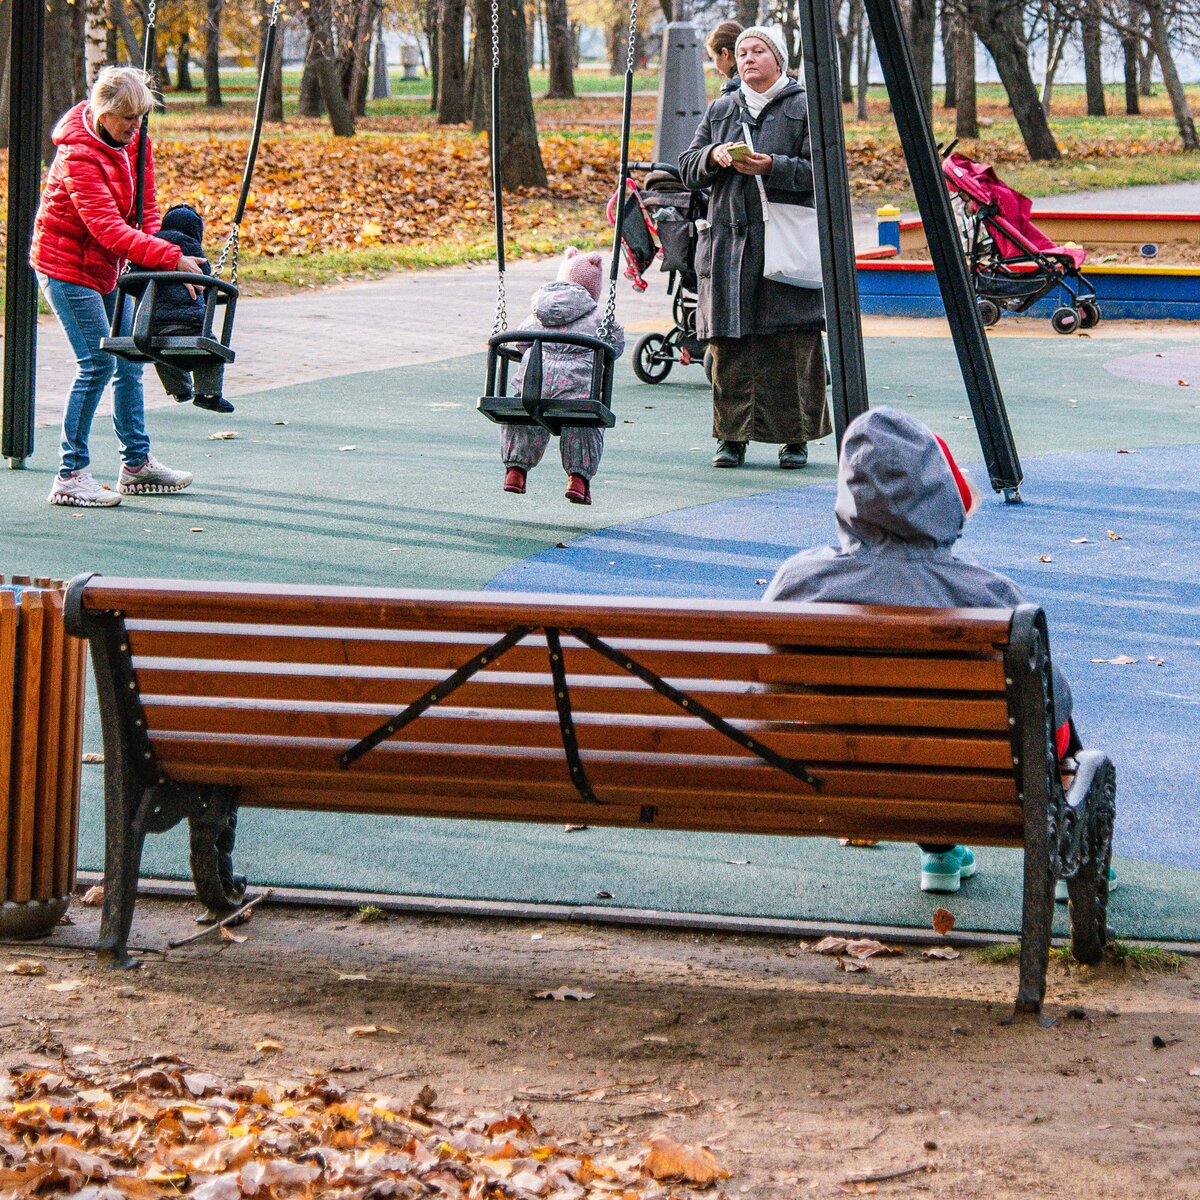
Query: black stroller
[659, 218]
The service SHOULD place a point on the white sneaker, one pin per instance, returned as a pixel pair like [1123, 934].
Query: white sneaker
[80, 490]
[152, 476]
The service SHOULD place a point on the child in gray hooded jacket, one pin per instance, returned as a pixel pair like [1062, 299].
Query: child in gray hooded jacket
[901, 503]
[568, 305]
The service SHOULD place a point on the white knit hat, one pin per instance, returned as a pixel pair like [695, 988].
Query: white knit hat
[772, 37]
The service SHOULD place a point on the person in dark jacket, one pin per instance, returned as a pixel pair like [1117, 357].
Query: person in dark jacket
[768, 364]
[900, 508]
[719, 46]
[179, 311]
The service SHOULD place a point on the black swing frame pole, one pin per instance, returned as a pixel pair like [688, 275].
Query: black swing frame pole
[260, 110]
[945, 248]
[623, 171]
[149, 42]
[25, 78]
[835, 220]
[497, 173]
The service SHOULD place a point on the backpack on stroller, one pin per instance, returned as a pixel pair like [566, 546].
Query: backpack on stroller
[659, 218]
[1014, 264]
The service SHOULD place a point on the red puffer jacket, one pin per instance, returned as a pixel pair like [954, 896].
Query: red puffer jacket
[81, 232]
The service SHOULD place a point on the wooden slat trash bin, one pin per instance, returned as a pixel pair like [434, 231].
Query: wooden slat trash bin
[42, 672]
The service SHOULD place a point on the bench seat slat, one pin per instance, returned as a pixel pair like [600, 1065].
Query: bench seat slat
[834, 625]
[522, 770]
[618, 694]
[756, 662]
[668, 735]
[870, 817]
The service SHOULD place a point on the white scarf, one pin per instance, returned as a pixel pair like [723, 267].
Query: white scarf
[757, 101]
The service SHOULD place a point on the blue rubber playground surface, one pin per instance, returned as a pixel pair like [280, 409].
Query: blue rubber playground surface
[1106, 542]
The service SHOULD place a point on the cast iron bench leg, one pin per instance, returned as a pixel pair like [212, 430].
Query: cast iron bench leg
[125, 834]
[1096, 781]
[213, 828]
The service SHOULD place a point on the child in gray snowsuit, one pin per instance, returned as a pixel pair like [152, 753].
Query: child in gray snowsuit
[568, 305]
[900, 508]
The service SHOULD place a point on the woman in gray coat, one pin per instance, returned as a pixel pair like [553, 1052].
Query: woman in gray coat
[768, 367]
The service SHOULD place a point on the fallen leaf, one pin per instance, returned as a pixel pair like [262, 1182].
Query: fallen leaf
[858, 948]
[946, 952]
[943, 921]
[352, 978]
[1045, 558]
[91, 756]
[278, 422]
[224, 435]
[66, 985]
[738, 862]
[761, 582]
[851, 965]
[362, 1030]
[227, 935]
[603, 895]
[426, 1097]
[1113, 537]
[343, 449]
[668, 1158]
[1184, 383]
[861, 843]
[1078, 541]
[657, 1038]
[573, 828]
[857, 1187]
[93, 897]
[26, 966]
[1194, 1071]
[565, 993]
[268, 1046]
[1122, 660]
[196, 529]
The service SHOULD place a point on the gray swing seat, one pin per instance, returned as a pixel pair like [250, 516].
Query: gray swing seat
[181, 351]
[530, 407]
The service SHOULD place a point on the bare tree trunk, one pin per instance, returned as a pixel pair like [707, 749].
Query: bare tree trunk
[183, 74]
[560, 44]
[864, 68]
[1000, 26]
[1093, 63]
[95, 38]
[1160, 39]
[480, 65]
[520, 155]
[1057, 32]
[274, 106]
[616, 48]
[847, 39]
[79, 56]
[1130, 53]
[1145, 68]
[966, 118]
[747, 13]
[309, 102]
[360, 51]
[950, 22]
[922, 28]
[320, 48]
[433, 37]
[62, 69]
[120, 15]
[212, 53]
[452, 102]
[5, 47]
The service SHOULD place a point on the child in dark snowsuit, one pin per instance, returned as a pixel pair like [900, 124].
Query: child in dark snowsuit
[178, 313]
[568, 305]
[901, 504]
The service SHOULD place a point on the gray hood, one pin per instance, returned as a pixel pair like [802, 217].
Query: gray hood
[894, 484]
[561, 303]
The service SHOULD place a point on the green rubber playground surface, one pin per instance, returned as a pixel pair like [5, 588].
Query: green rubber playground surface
[390, 478]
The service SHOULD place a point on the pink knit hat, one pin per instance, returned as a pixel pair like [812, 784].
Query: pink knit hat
[587, 270]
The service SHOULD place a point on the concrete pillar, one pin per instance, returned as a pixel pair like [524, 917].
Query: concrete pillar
[681, 98]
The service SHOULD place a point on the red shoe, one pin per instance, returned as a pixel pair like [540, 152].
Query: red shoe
[578, 491]
[514, 480]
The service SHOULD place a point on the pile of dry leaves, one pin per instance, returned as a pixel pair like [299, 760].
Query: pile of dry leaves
[94, 1129]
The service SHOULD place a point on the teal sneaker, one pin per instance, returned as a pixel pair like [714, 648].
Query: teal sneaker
[966, 861]
[941, 872]
[1062, 895]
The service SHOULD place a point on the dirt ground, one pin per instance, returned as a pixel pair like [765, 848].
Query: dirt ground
[799, 1076]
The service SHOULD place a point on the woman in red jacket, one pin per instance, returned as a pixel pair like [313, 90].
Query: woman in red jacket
[81, 235]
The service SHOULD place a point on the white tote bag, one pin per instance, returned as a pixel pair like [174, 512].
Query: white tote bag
[792, 251]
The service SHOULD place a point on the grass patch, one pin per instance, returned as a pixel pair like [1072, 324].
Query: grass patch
[370, 912]
[1150, 960]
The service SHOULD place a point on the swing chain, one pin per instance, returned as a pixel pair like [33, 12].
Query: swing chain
[633, 19]
[495, 35]
[152, 13]
[500, 324]
[274, 13]
[231, 244]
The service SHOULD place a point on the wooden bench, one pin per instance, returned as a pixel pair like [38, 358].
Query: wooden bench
[909, 724]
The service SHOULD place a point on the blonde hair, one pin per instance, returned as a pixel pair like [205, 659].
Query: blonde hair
[122, 91]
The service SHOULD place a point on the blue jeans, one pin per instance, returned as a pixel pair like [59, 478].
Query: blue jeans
[86, 315]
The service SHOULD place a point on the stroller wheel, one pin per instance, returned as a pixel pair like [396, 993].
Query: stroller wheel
[989, 311]
[1089, 314]
[652, 358]
[1065, 319]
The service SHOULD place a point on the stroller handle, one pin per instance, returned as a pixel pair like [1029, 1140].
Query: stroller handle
[670, 168]
[946, 150]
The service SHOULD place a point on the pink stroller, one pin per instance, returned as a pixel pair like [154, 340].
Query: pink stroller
[1014, 264]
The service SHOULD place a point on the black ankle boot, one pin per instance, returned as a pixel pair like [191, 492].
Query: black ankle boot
[729, 454]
